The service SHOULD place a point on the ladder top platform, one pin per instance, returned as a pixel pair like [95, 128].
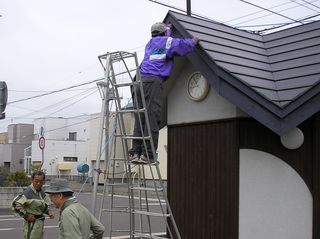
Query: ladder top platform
[117, 55]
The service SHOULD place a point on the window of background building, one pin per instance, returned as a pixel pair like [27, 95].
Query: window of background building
[72, 136]
[70, 159]
[6, 165]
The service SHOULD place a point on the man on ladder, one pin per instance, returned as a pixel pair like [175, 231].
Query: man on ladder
[155, 68]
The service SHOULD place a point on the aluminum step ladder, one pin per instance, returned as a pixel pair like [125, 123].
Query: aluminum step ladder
[146, 203]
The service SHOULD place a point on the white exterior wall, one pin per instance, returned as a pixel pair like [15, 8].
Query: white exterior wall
[56, 133]
[274, 202]
[55, 151]
[54, 128]
[181, 109]
[93, 135]
[162, 156]
[59, 128]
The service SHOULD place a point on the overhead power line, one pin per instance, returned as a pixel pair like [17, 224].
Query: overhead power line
[268, 10]
[181, 10]
[283, 25]
[260, 11]
[311, 4]
[55, 105]
[304, 5]
[73, 103]
[55, 91]
[42, 91]
[66, 126]
[266, 15]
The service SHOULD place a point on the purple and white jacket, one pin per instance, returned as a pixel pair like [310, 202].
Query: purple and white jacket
[159, 53]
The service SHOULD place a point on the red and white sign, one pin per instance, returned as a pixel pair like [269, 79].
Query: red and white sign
[42, 142]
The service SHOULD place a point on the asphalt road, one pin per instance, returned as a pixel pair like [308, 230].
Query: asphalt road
[11, 225]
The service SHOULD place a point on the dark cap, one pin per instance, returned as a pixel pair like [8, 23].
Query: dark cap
[158, 27]
[58, 186]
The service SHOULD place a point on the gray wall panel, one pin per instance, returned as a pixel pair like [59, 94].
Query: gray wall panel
[292, 93]
[217, 26]
[297, 72]
[255, 81]
[295, 63]
[312, 50]
[255, 54]
[294, 46]
[223, 34]
[220, 57]
[245, 70]
[292, 31]
[270, 94]
[293, 38]
[298, 82]
[230, 43]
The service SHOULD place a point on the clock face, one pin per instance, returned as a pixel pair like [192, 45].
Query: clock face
[198, 87]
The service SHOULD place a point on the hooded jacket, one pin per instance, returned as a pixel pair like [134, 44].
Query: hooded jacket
[159, 53]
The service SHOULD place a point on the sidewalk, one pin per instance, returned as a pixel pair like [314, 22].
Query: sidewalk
[6, 211]
[81, 187]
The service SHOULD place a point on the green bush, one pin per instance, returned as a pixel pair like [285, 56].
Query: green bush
[19, 179]
[4, 172]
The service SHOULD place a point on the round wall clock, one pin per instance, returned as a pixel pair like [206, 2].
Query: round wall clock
[198, 87]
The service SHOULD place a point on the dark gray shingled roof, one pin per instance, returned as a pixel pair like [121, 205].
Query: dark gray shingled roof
[274, 78]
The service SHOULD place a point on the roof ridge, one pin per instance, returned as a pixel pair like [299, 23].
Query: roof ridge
[275, 82]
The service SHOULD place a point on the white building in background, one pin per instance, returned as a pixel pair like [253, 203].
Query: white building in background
[70, 142]
[67, 143]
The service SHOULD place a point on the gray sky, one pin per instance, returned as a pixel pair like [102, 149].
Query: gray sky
[47, 45]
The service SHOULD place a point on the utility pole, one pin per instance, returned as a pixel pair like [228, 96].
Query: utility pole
[189, 7]
[3, 98]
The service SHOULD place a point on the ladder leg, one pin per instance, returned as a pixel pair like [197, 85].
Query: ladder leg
[139, 210]
[146, 200]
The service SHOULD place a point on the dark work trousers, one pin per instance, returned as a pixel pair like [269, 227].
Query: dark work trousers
[152, 89]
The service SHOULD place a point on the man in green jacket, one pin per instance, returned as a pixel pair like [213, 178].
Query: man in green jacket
[76, 222]
[32, 204]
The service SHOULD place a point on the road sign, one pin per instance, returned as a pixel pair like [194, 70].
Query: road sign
[42, 142]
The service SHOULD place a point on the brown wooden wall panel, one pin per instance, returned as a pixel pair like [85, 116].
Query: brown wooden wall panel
[203, 179]
[316, 177]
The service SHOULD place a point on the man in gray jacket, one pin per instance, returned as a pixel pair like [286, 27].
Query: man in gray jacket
[76, 222]
[32, 205]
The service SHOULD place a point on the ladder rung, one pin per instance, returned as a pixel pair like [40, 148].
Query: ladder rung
[121, 230]
[124, 84]
[154, 214]
[148, 189]
[132, 111]
[118, 159]
[124, 210]
[115, 184]
[145, 164]
[117, 56]
[145, 235]
[132, 137]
